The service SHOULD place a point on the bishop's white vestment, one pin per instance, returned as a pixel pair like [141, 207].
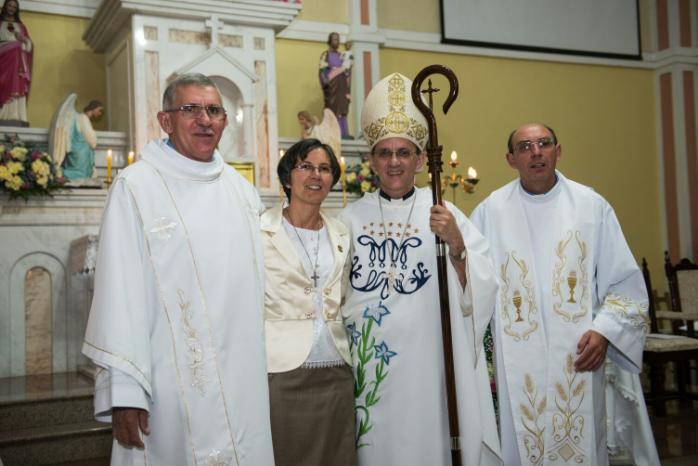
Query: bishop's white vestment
[564, 268]
[393, 318]
[176, 325]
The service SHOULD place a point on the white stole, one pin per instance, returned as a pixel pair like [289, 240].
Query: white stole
[181, 293]
[551, 404]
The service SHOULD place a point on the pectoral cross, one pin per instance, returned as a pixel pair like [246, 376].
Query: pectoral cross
[314, 277]
[392, 277]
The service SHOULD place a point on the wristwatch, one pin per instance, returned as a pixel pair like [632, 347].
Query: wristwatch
[459, 257]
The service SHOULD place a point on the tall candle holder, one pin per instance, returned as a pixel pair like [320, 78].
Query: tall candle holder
[108, 180]
[455, 180]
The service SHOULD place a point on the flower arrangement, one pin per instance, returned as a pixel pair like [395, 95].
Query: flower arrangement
[27, 171]
[360, 178]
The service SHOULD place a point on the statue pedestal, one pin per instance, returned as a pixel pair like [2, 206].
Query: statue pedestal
[148, 43]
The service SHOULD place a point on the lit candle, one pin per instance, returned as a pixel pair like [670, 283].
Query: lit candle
[454, 156]
[109, 158]
[343, 179]
[281, 153]
[472, 173]
[130, 157]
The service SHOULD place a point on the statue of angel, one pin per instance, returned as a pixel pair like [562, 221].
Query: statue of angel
[328, 131]
[72, 139]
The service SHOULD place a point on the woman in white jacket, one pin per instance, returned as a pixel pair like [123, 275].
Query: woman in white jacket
[311, 387]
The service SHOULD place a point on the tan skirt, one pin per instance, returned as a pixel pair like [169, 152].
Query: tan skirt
[312, 417]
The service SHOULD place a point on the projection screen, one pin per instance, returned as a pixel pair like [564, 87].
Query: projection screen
[603, 28]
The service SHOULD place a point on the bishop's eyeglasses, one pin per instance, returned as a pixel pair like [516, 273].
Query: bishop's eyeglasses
[402, 154]
[525, 147]
[193, 111]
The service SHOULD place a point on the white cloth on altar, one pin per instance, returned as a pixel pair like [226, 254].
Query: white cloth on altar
[178, 310]
[395, 332]
[560, 255]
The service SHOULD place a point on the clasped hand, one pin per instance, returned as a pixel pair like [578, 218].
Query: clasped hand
[443, 224]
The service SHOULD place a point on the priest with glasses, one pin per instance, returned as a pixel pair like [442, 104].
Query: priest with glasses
[176, 325]
[392, 308]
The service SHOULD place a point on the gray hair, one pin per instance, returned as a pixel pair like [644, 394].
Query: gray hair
[186, 79]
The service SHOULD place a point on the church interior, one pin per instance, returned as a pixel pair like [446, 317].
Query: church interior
[622, 99]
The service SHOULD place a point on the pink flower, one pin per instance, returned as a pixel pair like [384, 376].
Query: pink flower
[26, 186]
[36, 155]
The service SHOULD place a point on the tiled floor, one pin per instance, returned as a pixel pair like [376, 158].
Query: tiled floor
[676, 434]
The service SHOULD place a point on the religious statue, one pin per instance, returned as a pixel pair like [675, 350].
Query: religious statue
[73, 140]
[15, 66]
[335, 79]
[327, 131]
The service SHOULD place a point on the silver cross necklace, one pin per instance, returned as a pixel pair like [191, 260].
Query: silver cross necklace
[313, 265]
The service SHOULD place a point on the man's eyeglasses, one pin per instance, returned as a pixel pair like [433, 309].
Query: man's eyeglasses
[307, 168]
[527, 146]
[401, 154]
[214, 112]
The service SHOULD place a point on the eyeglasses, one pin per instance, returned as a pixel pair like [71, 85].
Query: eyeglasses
[307, 168]
[527, 146]
[214, 112]
[402, 154]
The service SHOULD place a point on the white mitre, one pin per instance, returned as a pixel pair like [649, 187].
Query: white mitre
[389, 112]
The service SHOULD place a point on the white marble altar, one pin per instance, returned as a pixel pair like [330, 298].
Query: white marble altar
[37, 236]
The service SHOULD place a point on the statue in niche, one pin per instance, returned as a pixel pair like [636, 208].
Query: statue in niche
[72, 140]
[335, 79]
[327, 131]
[15, 66]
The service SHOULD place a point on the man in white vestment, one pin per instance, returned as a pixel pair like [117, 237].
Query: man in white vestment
[570, 294]
[176, 326]
[392, 304]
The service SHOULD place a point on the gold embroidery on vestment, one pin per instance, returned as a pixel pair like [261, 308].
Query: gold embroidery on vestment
[568, 425]
[518, 300]
[628, 310]
[533, 437]
[396, 121]
[577, 275]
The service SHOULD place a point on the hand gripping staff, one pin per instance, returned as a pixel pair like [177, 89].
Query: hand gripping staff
[434, 153]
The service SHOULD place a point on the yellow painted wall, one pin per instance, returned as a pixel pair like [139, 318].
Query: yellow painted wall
[328, 11]
[604, 117]
[418, 16]
[63, 63]
[297, 83]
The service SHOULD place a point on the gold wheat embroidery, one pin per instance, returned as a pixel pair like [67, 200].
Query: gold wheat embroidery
[568, 425]
[533, 437]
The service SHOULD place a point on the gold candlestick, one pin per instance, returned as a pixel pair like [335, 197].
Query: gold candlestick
[109, 161]
[343, 179]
